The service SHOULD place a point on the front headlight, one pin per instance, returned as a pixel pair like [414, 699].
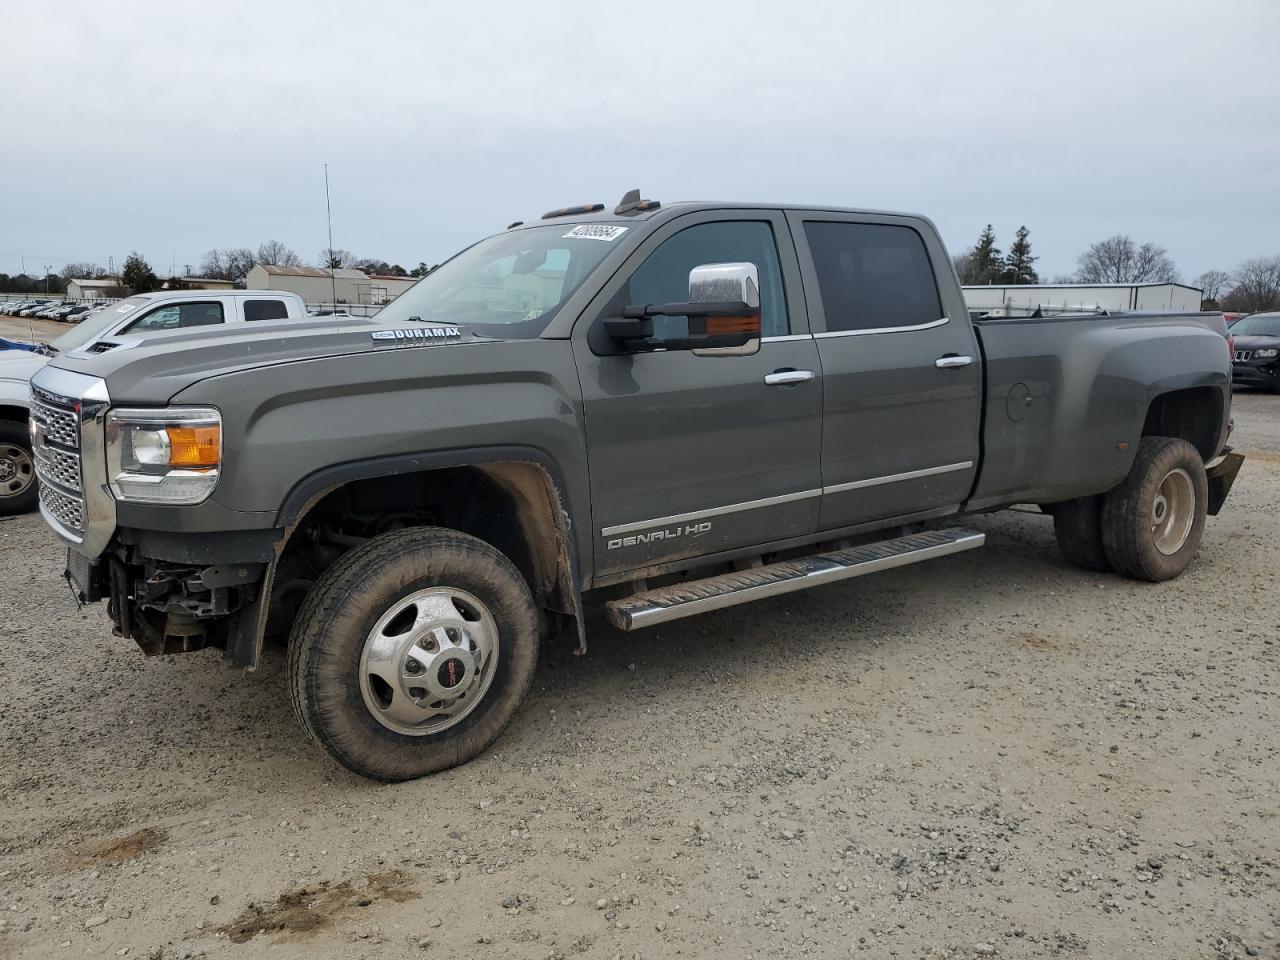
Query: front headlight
[170, 455]
[1268, 354]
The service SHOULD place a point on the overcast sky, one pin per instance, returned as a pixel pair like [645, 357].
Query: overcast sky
[140, 126]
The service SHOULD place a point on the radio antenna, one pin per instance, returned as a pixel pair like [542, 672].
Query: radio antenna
[328, 211]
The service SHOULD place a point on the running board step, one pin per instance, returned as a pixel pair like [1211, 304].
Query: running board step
[729, 589]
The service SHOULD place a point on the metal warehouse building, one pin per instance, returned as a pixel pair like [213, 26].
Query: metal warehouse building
[316, 286]
[1085, 296]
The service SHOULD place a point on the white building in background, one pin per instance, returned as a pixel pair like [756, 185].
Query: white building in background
[1176, 297]
[315, 285]
[90, 289]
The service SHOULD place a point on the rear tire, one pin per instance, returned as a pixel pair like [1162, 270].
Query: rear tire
[1078, 526]
[1153, 521]
[19, 492]
[396, 635]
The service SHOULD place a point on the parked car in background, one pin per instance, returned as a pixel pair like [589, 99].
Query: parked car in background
[1257, 351]
[116, 326]
[33, 309]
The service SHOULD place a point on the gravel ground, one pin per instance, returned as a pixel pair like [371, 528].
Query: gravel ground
[989, 755]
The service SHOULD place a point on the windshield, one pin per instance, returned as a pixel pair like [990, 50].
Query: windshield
[1259, 325]
[97, 324]
[509, 285]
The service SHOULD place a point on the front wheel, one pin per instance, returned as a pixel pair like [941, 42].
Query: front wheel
[18, 489]
[412, 653]
[1152, 522]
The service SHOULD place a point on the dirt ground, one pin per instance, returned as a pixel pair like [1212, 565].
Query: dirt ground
[26, 330]
[991, 755]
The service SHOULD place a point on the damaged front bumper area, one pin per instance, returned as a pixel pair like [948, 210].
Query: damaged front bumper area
[174, 607]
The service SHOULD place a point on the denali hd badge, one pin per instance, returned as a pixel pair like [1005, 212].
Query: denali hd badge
[417, 333]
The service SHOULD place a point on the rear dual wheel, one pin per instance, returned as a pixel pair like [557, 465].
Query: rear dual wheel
[1149, 527]
[412, 653]
[1153, 521]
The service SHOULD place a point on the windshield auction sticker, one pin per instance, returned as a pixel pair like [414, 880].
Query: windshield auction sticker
[595, 231]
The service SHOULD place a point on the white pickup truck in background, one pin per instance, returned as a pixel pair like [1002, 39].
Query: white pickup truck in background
[118, 325]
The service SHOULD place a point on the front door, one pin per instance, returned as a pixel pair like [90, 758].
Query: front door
[902, 375]
[693, 455]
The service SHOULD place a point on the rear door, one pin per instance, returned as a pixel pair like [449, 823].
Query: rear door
[902, 376]
[693, 455]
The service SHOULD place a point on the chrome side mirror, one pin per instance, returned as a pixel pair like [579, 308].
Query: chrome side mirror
[724, 283]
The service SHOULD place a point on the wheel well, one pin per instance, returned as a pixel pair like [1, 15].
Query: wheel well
[514, 506]
[16, 414]
[1194, 414]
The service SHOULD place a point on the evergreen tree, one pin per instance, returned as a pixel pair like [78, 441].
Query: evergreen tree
[1019, 265]
[983, 264]
[137, 274]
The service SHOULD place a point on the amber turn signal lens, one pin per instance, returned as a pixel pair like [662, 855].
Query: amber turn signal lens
[727, 325]
[195, 447]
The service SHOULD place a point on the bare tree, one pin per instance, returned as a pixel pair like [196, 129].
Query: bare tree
[240, 260]
[277, 254]
[1257, 286]
[336, 259]
[81, 271]
[214, 265]
[1212, 284]
[1119, 260]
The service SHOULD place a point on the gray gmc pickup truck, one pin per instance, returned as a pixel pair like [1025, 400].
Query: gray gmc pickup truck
[664, 410]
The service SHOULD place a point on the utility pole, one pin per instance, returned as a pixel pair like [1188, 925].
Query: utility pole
[47, 268]
[328, 212]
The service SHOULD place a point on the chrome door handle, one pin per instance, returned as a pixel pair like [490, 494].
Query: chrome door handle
[950, 363]
[782, 377]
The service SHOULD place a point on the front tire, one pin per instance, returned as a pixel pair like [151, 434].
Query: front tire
[393, 640]
[1153, 521]
[19, 492]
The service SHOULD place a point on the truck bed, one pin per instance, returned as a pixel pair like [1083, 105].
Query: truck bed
[1067, 397]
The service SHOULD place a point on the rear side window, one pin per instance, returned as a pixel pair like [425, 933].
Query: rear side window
[872, 276]
[265, 310]
[178, 316]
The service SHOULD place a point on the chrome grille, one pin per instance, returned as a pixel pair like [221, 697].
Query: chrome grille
[67, 510]
[1242, 355]
[60, 426]
[55, 435]
[59, 466]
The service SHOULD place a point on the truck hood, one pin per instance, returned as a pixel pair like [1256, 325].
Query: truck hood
[20, 364]
[151, 370]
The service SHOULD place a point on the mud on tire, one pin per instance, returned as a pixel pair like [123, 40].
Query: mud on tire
[350, 604]
[1152, 522]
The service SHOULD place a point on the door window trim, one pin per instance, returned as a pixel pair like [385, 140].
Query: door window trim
[933, 249]
[874, 330]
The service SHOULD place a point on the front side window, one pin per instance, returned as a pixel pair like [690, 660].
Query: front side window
[664, 275]
[872, 276]
[178, 316]
[509, 285]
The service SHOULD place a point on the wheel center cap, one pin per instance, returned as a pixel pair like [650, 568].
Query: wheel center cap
[451, 672]
[8, 469]
[1161, 507]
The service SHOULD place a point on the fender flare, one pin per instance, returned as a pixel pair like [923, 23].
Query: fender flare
[311, 489]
